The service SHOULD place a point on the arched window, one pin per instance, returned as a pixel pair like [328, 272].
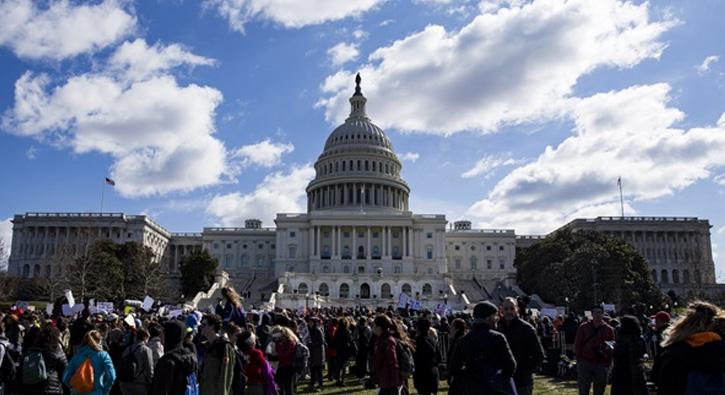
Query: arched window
[374, 165]
[359, 165]
[427, 290]
[364, 291]
[337, 167]
[344, 290]
[343, 165]
[686, 276]
[244, 260]
[654, 276]
[302, 289]
[385, 292]
[474, 263]
[675, 276]
[664, 277]
[36, 271]
[367, 166]
[406, 289]
[26, 270]
[324, 289]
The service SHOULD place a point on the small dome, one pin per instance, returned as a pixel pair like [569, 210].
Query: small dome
[358, 131]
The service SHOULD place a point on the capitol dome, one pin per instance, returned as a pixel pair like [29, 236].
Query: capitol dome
[358, 167]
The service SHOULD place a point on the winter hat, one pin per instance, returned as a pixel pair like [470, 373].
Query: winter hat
[484, 309]
[174, 333]
[662, 316]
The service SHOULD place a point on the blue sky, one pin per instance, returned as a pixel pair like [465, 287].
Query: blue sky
[515, 114]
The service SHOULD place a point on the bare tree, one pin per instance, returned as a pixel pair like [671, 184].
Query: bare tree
[4, 255]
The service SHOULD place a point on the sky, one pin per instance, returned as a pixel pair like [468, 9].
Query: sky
[509, 113]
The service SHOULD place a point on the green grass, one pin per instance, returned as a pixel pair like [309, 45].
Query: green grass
[542, 386]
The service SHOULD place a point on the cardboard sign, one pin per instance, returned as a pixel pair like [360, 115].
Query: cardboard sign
[403, 301]
[175, 313]
[549, 312]
[106, 307]
[69, 296]
[147, 303]
[49, 309]
[130, 320]
[608, 307]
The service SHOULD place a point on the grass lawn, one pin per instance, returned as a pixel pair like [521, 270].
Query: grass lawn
[542, 386]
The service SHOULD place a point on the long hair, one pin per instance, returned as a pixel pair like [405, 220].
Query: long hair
[286, 333]
[232, 296]
[699, 317]
[93, 340]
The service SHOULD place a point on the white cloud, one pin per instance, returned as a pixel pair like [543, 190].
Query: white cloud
[720, 179]
[31, 152]
[516, 65]
[279, 192]
[62, 29]
[409, 156]
[704, 67]
[158, 132]
[290, 14]
[342, 53]
[487, 164]
[721, 231]
[6, 237]
[265, 153]
[359, 34]
[387, 22]
[138, 61]
[627, 133]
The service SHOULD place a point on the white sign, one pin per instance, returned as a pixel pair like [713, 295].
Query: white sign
[130, 321]
[49, 309]
[549, 312]
[416, 304]
[67, 310]
[608, 307]
[147, 303]
[69, 296]
[77, 308]
[106, 307]
[403, 301]
[175, 313]
[21, 305]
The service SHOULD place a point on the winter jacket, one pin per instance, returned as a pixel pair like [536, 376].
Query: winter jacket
[628, 372]
[55, 363]
[144, 373]
[104, 373]
[386, 370]
[479, 355]
[589, 343]
[217, 372]
[253, 368]
[172, 371]
[703, 352]
[426, 358]
[526, 348]
[157, 349]
[285, 352]
[317, 347]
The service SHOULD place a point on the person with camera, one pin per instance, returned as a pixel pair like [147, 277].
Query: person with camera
[593, 348]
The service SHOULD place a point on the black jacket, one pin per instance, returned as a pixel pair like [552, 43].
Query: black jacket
[681, 358]
[628, 372]
[479, 354]
[426, 357]
[172, 371]
[55, 364]
[526, 348]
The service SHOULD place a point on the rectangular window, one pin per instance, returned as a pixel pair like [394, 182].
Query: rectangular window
[489, 264]
[501, 265]
[488, 248]
[458, 248]
[375, 235]
[292, 234]
[500, 248]
[229, 245]
[429, 235]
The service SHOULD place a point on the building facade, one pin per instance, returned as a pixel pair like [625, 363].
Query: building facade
[358, 242]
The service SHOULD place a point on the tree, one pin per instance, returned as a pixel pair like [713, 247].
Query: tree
[4, 255]
[586, 268]
[197, 272]
[141, 271]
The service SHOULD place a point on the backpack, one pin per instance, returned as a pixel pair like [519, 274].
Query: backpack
[8, 369]
[406, 364]
[83, 380]
[127, 367]
[705, 383]
[302, 357]
[34, 367]
[192, 385]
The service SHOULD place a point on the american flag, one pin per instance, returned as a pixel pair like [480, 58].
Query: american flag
[110, 182]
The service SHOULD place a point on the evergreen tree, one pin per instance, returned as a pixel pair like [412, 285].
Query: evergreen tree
[197, 272]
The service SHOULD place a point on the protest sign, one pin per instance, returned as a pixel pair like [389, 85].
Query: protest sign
[148, 302]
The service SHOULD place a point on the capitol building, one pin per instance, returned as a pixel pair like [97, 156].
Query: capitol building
[358, 242]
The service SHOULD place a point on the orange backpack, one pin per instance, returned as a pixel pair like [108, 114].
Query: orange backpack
[82, 380]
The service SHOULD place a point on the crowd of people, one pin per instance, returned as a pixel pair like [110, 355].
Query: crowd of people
[492, 349]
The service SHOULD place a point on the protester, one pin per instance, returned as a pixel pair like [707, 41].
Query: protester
[628, 376]
[317, 354]
[593, 353]
[178, 364]
[693, 355]
[217, 372]
[47, 347]
[90, 353]
[386, 369]
[137, 366]
[483, 362]
[525, 346]
[255, 363]
[426, 357]
[155, 343]
[231, 310]
[344, 345]
[285, 342]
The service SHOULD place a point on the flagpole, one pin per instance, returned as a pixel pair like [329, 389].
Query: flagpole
[103, 192]
[621, 197]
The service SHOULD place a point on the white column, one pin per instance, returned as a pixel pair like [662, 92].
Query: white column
[310, 241]
[317, 251]
[384, 240]
[368, 253]
[390, 241]
[407, 237]
[354, 243]
[339, 238]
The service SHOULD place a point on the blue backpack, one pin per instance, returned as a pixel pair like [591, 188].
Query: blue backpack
[192, 386]
[705, 383]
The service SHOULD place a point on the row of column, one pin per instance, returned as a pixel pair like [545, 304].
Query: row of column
[358, 194]
[336, 239]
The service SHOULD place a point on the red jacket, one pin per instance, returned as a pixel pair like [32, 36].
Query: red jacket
[253, 368]
[589, 343]
[385, 363]
[286, 352]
